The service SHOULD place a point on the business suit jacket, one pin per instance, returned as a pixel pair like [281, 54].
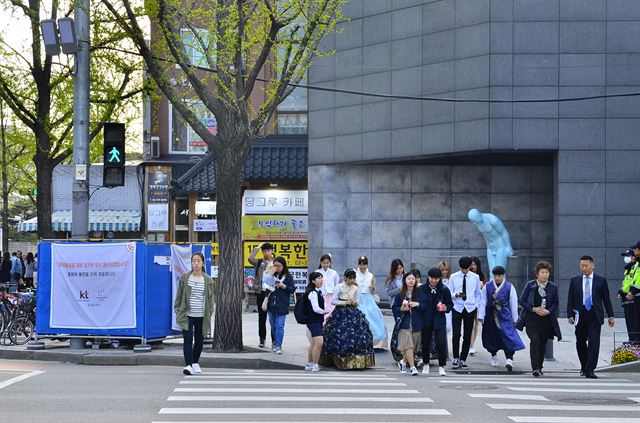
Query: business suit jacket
[599, 297]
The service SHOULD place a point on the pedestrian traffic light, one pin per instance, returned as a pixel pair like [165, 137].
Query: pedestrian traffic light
[114, 155]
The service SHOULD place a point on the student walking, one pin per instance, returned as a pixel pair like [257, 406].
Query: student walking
[587, 301]
[465, 288]
[315, 312]
[394, 279]
[330, 279]
[193, 307]
[439, 303]
[366, 283]
[498, 316]
[408, 307]
[283, 286]
[539, 302]
[264, 268]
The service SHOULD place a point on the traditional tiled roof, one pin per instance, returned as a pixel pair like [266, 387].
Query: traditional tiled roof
[274, 159]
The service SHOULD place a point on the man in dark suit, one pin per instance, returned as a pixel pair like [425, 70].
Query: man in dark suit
[588, 293]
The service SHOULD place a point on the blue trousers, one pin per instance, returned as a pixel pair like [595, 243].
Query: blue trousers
[193, 340]
[276, 321]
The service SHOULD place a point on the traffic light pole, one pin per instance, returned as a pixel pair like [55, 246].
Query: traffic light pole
[80, 200]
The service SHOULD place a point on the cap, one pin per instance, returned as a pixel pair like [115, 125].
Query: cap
[498, 270]
[434, 272]
[628, 252]
[637, 245]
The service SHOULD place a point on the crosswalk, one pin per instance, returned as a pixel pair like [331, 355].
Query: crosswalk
[268, 396]
[247, 396]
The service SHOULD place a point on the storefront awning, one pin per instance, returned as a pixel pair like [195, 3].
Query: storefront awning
[99, 220]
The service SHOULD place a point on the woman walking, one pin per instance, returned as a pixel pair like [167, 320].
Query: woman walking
[30, 266]
[315, 312]
[193, 307]
[476, 267]
[539, 301]
[408, 307]
[394, 279]
[367, 304]
[278, 305]
[330, 279]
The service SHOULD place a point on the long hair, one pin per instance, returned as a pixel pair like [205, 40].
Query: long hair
[395, 263]
[478, 272]
[29, 258]
[443, 265]
[405, 288]
[311, 286]
[323, 258]
[285, 268]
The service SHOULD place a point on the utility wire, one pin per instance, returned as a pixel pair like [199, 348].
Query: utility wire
[408, 97]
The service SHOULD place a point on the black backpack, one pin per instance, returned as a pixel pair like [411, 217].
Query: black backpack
[300, 310]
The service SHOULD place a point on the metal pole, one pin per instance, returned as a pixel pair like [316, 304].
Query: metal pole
[80, 201]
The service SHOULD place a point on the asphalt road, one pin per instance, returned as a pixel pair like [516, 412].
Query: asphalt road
[54, 392]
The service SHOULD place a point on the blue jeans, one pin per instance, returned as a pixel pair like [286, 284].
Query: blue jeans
[276, 321]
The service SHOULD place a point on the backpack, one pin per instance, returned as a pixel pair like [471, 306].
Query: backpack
[300, 310]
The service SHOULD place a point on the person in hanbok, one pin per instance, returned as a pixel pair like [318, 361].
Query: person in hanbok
[367, 303]
[498, 316]
[330, 279]
[348, 342]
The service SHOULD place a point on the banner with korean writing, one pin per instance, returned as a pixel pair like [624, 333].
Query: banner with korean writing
[266, 227]
[300, 278]
[275, 201]
[93, 286]
[295, 253]
[180, 263]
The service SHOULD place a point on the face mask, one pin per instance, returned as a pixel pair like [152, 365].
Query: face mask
[627, 259]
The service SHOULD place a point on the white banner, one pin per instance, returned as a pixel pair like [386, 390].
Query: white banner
[93, 286]
[205, 225]
[157, 217]
[180, 263]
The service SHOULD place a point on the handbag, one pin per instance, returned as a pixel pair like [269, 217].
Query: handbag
[393, 346]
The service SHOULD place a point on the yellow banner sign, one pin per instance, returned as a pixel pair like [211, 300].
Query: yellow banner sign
[215, 249]
[295, 253]
[273, 228]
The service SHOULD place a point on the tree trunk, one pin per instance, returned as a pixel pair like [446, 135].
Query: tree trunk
[5, 184]
[44, 177]
[228, 316]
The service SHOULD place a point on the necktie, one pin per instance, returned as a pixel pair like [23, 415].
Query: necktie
[587, 294]
[464, 286]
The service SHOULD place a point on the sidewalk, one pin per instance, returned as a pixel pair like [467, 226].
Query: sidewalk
[294, 354]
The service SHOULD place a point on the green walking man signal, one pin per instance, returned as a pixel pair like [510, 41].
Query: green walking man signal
[114, 155]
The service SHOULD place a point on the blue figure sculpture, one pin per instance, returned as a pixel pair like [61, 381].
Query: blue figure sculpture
[495, 234]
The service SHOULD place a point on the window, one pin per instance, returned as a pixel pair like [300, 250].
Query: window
[183, 138]
[194, 46]
[292, 113]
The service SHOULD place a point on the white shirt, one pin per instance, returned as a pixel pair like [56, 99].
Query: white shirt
[330, 279]
[513, 302]
[474, 295]
[313, 299]
[364, 281]
[584, 288]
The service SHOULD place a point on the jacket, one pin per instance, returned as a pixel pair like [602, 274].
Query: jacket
[431, 313]
[527, 300]
[5, 271]
[181, 304]
[630, 282]
[280, 297]
[599, 297]
[414, 318]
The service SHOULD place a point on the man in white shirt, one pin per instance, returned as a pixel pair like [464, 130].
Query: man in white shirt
[467, 298]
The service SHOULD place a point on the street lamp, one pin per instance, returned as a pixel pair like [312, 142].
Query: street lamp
[59, 34]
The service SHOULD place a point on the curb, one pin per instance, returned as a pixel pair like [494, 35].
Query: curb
[631, 367]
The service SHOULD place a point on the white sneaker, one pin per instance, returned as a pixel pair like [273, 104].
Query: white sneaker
[509, 364]
[472, 352]
[315, 368]
[420, 363]
[196, 368]
[187, 370]
[494, 361]
[278, 350]
[425, 369]
[441, 371]
[414, 371]
[308, 367]
[402, 367]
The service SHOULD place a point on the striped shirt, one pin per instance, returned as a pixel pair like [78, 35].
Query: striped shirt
[196, 299]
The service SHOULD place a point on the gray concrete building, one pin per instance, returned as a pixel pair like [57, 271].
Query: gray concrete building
[396, 177]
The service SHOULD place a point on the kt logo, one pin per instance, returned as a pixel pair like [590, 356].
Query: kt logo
[84, 295]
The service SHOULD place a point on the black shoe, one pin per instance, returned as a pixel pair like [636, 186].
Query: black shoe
[536, 373]
[581, 373]
[590, 375]
[261, 344]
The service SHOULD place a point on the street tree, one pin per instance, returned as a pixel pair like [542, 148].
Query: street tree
[38, 89]
[238, 59]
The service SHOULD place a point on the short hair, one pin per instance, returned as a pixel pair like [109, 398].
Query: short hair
[543, 265]
[586, 258]
[465, 262]
[434, 272]
[349, 274]
[498, 270]
[267, 246]
[314, 275]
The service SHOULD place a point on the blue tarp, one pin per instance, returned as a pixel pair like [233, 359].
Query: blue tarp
[153, 294]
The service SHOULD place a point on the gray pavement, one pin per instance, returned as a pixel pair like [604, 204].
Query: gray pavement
[169, 352]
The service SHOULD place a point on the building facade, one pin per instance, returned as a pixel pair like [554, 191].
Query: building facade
[396, 177]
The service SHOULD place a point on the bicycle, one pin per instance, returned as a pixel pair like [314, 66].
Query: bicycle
[22, 327]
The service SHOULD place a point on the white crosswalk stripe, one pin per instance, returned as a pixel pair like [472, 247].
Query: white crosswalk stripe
[510, 396]
[258, 397]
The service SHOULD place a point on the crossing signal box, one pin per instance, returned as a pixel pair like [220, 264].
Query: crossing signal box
[114, 155]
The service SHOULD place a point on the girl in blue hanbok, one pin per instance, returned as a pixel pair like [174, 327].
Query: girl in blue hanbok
[368, 305]
[348, 343]
[498, 315]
